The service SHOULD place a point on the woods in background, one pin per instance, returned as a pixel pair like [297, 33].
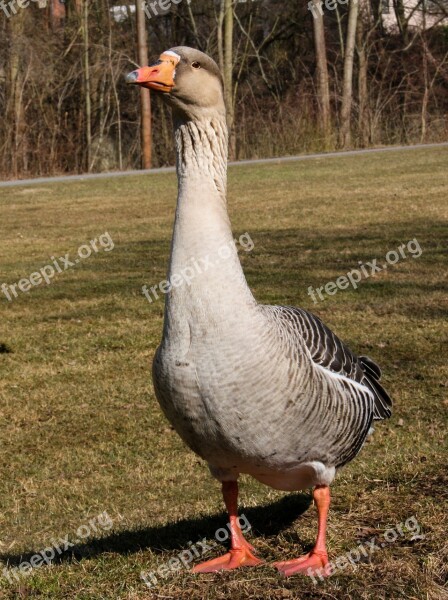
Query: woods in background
[299, 77]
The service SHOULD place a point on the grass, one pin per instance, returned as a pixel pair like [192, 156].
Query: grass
[81, 429]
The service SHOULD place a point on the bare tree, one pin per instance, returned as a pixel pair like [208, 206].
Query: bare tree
[58, 14]
[16, 80]
[363, 98]
[87, 98]
[347, 90]
[145, 99]
[64, 106]
[227, 10]
[323, 88]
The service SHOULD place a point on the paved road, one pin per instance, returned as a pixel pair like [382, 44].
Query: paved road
[261, 161]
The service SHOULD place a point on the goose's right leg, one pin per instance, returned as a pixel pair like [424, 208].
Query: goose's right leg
[241, 552]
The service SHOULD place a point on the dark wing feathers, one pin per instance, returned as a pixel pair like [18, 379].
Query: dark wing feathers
[328, 351]
[371, 367]
[383, 403]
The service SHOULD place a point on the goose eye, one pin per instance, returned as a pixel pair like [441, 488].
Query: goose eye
[195, 65]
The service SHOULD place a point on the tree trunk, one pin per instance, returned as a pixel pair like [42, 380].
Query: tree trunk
[347, 92]
[228, 74]
[340, 34]
[401, 19]
[219, 35]
[145, 99]
[363, 118]
[376, 9]
[86, 65]
[323, 88]
[115, 91]
[58, 14]
[14, 107]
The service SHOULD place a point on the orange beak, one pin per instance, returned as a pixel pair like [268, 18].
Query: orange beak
[159, 76]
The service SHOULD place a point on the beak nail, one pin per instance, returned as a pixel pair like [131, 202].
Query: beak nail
[131, 77]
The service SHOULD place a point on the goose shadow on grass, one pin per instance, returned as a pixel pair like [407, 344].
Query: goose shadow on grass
[268, 520]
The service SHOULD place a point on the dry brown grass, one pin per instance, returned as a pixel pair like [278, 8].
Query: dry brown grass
[81, 429]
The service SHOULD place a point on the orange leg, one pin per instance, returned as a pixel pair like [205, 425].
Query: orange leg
[241, 552]
[317, 559]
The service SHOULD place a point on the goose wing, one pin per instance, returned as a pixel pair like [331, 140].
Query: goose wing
[329, 352]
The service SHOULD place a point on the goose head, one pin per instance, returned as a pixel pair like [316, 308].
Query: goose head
[187, 79]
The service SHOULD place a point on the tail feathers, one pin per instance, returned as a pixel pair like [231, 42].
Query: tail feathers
[383, 402]
[370, 367]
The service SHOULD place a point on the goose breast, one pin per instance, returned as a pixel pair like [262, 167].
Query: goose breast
[253, 401]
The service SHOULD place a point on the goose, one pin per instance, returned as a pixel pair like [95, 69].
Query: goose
[267, 391]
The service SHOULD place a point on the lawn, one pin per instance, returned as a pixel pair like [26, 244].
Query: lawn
[88, 459]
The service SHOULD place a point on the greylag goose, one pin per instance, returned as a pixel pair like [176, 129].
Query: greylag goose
[268, 391]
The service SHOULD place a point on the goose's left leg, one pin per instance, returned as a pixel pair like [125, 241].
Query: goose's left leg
[241, 552]
[317, 558]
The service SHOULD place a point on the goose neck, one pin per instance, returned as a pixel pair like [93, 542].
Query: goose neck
[201, 151]
[202, 243]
